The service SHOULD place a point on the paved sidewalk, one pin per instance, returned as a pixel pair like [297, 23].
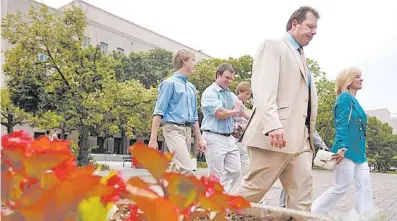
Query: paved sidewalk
[384, 189]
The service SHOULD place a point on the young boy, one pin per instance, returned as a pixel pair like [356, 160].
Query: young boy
[176, 111]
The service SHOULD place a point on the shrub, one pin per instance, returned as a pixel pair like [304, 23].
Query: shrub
[40, 180]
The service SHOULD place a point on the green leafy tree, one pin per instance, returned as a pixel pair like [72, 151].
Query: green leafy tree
[131, 112]
[11, 115]
[326, 102]
[148, 67]
[204, 74]
[75, 77]
[381, 143]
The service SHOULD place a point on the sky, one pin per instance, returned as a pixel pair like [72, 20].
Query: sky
[351, 33]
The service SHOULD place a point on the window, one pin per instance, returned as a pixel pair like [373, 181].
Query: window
[104, 46]
[86, 41]
[42, 57]
[120, 50]
[38, 134]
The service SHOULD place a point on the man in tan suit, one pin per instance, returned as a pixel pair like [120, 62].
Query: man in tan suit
[279, 134]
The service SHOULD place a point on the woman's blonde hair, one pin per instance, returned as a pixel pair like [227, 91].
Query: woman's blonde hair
[345, 78]
[180, 57]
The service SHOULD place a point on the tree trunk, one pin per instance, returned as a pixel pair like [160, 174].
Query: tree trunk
[63, 130]
[83, 151]
[10, 125]
[124, 142]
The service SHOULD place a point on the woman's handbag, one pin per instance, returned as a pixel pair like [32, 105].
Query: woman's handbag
[324, 158]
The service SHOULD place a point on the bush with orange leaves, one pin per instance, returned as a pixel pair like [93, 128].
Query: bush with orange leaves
[41, 181]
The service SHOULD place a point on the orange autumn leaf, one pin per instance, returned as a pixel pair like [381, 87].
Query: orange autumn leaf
[10, 188]
[31, 193]
[48, 180]
[44, 154]
[63, 197]
[238, 202]
[208, 203]
[139, 183]
[43, 144]
[13, 157]
[36, 164]
[220, 202]
[153, 160]
[85, 171]
[181, 189]
[157, 208]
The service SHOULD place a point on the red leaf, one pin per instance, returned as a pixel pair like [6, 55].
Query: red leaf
[16, 140]
[212, 185]
[64, 169]
[134, 214]
[154, 161]
[116, 183]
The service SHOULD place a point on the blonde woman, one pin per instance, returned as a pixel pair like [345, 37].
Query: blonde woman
[349, 147]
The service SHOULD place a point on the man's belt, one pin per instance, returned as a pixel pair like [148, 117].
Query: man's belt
[226, 135]
[186, 124]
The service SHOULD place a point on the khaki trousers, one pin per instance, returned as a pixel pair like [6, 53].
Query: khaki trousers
[178, 140]
[293, 169]
[223, 158]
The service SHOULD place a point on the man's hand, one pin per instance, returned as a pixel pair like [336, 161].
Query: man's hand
[339, 156]
[153, 144]
[238, 107]
[202, 145]
[277, 138]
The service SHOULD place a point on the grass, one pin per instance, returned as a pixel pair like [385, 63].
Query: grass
[202, 164]
[387, 172]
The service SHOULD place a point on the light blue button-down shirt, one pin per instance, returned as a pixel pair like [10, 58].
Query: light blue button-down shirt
[177, 100]
[213, 98]
[297, 46]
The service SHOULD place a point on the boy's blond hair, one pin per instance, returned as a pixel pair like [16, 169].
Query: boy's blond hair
[180, 57]
[242, 87]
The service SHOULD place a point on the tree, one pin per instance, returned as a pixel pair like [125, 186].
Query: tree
[11, 115]
[326, 102]
[381, 143]
[148, 67]
[204, 74]
[75, 77]
[131, 112]
[243, 67]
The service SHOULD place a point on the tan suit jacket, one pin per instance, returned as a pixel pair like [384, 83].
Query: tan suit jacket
[281, 95]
